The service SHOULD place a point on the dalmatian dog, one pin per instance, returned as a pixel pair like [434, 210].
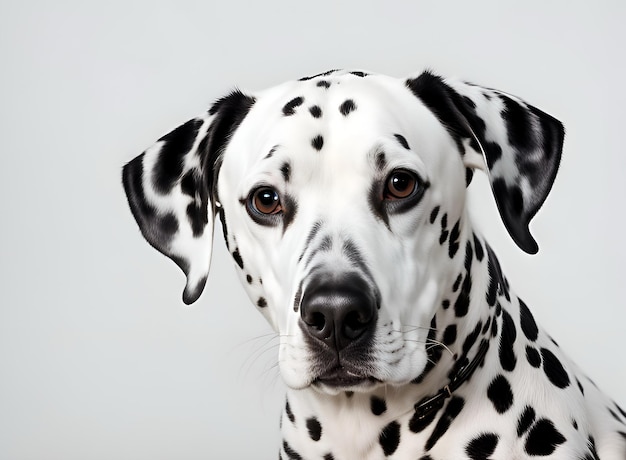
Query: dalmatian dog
[342, 198]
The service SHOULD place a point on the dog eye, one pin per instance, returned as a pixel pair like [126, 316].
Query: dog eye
[400, 184]
[266, 201]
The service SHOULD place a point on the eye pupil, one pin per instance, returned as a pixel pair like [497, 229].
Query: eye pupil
[400, 184]
[267, 198]
[266, 201]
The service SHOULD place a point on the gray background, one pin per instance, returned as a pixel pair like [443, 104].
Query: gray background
[99, 358]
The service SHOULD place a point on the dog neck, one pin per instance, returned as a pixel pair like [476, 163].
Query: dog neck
[462, 330]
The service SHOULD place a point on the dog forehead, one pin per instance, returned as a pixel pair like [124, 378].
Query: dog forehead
[341, 115]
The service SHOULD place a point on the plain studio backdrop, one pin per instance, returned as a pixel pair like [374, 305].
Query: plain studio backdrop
[99, 358]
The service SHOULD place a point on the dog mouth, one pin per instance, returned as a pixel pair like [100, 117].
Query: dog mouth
[341, 379]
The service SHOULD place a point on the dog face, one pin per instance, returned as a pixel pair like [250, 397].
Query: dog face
[327, 190]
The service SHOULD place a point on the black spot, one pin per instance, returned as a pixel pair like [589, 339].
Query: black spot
[285, 169]
[249, 279]
[533, 357]
[469, 255]
[358, 73]
[349, 394]
[315, 111]
[529, 326]
[445, 304]
[444, 229]
[198, 218]
[449, 335]
[189, 184]
[443, 236]
[261, 303]
[518, 123]
[461, 305]
[507, 340]
[554, 369]
[493, 152]
[381, 161]
[452, 410]
[314, 428]
[323, 74]
[378, 405]
[224, 227]
[290, 415]
[478, 248]
[457, 282]
[289, 107]
[486, 326]
[329, 457]
[389, 438]
[575, 424]
[168, 223]
[525, 420]
[291, 454]
[454, 240]
[471, 338]
[271, 153]
[425, 457]
[238, 258]
[347, 107]
[176, 145]
[323, 84]
[580, 387]
[433, 353]
[433, 214]
[494, 328]
[403, 142]
[317, 142]
[291, 209]
[543, 438]
[482, 446]
[494, 277]
[500, 394]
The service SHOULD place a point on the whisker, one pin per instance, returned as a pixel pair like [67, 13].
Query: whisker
[440, 344]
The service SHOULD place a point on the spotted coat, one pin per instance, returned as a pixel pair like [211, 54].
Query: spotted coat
[342, 198]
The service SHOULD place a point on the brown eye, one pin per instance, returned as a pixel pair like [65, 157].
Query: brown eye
[266, 201]
[400, 184]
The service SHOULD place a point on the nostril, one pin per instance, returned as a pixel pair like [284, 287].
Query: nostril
[354, 324]
[318, 321]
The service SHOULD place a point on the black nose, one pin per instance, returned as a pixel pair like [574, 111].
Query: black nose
[338, 310]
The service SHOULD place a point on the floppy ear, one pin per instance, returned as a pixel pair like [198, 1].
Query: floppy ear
[520, 144]
[171, 188]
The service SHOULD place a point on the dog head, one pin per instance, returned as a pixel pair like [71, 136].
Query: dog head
[327, 189]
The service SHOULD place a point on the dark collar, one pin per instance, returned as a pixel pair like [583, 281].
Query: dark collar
[429, 404]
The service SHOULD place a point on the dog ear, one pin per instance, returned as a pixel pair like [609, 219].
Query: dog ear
[171, 188]
[520, 145]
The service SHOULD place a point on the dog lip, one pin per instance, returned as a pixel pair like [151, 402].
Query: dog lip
[342, 378]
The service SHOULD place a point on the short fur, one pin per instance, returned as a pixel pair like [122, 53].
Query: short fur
[342, 198]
